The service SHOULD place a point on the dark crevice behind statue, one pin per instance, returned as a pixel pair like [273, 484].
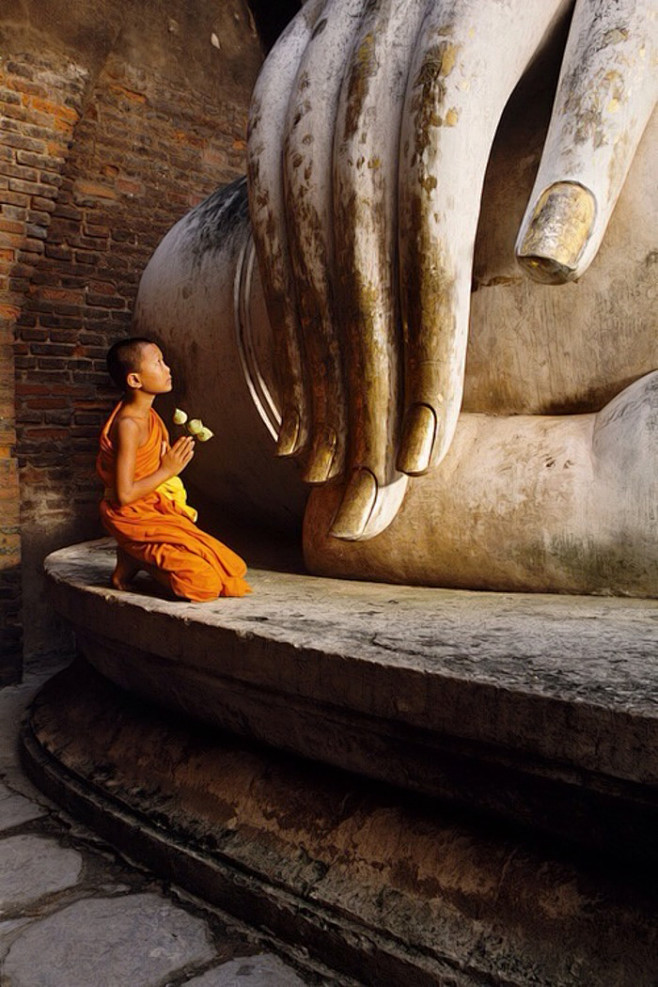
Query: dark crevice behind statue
[271, 18]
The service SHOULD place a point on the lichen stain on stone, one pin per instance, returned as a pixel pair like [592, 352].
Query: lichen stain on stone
[614, 36]
[494, 282]
[618, 162]
[431, 90]
[363, 68]
[603, 569]
[587, 106]
[449, 59]
[430, 289]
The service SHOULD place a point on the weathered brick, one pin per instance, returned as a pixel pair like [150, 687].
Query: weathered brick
[58, 251]
[67, 295]
[16, 199]
[52, 178]
[9, 96]
[88, 192]
[105, 301]
[38, 216]
[69, 335]
[46, 433]
[16, 213]
[51, 349]
[31, 186]
[44, 403]
[67, 114]
[24, 143]
[68, 212]
[18, 285]
[87, 258]
[46, 205]
[11, 226]
[34, 160]
[36, 231]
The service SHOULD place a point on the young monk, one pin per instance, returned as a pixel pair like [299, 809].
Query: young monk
[144, 504]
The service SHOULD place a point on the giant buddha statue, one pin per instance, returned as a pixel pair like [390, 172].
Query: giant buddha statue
[432, 301]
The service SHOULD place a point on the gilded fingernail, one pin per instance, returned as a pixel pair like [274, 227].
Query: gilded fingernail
[558, 232]
[289, 433]
[323, 452]
[356, 506]
[418, 438]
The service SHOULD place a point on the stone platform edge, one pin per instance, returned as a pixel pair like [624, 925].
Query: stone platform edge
[382, 886]
[308, 665]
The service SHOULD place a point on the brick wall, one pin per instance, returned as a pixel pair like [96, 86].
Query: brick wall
[39, 109]
[96, 164]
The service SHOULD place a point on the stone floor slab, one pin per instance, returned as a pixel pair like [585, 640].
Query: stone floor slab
[8, 932]
[128, 941]
[16, 809]
[265, 970]
[32, 867]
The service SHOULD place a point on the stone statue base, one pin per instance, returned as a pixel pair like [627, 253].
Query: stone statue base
[465, 786]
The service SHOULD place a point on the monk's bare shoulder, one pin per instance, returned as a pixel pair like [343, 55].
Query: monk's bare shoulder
[128, 429]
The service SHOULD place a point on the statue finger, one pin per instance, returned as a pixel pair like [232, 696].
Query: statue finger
[468, 58]
[269, 107]
[366, 152]
[307, 168]
[606, 93]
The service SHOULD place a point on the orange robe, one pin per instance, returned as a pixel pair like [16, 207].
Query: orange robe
[159, 530]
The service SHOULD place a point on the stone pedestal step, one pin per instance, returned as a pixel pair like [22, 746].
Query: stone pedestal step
[541, 709]
[389, 888]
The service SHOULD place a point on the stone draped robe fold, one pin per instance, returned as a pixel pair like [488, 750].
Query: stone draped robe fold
[158, 530]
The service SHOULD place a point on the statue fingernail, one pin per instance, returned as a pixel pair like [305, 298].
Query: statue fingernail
[356, 506]
[288, 441]
[323, 452]
[558, 232]
[418, 437]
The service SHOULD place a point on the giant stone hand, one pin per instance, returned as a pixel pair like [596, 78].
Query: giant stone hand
[371, 130]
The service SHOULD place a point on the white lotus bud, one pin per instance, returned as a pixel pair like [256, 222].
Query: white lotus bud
[194, 426]
[180, 417]
[204, 434]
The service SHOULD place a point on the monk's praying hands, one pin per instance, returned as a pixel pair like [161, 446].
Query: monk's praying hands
[175, 458]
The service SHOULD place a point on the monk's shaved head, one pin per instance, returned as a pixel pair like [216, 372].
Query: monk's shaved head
[125, 357]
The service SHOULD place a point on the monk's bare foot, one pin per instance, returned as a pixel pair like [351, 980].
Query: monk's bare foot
[125, 570]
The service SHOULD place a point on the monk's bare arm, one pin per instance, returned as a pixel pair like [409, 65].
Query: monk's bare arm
[127, 439]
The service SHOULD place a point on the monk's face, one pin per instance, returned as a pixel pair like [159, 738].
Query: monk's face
[153, 374]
